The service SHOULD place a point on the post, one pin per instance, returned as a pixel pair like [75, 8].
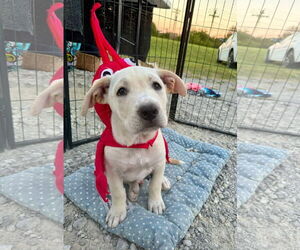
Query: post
[182, 51]
[67, 112]
[119, 28]
[138, 31]
[7, 138]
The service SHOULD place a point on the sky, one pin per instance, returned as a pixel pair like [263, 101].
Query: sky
[279, 15]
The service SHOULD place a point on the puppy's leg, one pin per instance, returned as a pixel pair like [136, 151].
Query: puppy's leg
[166, 185]
[133, 192]
[155, 201]
[117, 212]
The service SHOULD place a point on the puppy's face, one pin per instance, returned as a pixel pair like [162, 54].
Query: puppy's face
[137, 95]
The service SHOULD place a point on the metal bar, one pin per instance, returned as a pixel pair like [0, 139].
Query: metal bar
[205, 127]
[67, 112]
[138, 30]
[8, 138]
[127, 41]
[182, 51]
[119, 28]
[37, 141]
[272, 131]
[83, 141]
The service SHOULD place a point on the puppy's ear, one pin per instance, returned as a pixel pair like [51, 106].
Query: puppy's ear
[97, 93]
[52, 94]
[173, 82]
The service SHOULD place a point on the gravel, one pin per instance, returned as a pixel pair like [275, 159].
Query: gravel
[270, 219]
[79, 223]
[28, 223]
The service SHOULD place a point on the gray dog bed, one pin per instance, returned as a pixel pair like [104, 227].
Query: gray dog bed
[254, 163]
[35, 189]
[191, 185]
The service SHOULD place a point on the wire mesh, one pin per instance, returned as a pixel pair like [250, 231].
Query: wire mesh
[30, 66]
[200, 63]
[268, 83]
[89, 128]
[215, 20]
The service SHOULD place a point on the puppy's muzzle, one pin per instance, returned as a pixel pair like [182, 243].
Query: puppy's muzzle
[148, 112]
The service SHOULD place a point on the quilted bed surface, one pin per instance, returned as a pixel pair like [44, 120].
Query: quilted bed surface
[35, 189]
[191, 185]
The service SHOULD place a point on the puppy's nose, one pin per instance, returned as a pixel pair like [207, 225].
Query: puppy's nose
[148, 112]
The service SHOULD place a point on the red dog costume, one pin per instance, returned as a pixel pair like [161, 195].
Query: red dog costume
[103, 110]
[56, 29]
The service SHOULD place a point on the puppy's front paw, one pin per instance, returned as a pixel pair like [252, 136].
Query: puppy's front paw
[115, 216]
[156, 206]
[166, 185]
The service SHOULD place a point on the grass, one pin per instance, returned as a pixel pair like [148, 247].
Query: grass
[200, 62]
[252, 64]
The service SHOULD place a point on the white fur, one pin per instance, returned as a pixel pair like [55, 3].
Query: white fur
[132, 165]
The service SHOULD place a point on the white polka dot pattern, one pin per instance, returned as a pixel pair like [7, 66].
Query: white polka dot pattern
[35, 189]
[191, 185]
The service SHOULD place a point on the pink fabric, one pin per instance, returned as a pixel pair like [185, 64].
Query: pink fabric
[193, 86]
[59, 167]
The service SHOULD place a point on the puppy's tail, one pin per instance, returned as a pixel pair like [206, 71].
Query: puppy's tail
[175, 161]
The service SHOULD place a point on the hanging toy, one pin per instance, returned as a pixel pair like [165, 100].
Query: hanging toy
[112, 62]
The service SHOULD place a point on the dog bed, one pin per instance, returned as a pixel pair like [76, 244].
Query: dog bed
[254, 163]
[35, 189]
[191, 185]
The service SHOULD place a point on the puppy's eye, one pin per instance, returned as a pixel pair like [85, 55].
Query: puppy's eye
[156, 86]
[122, 91]
[107, 72]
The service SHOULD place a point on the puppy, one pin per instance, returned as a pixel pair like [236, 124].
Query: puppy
[137, 97]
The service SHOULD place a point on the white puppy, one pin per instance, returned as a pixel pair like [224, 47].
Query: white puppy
[137, 97]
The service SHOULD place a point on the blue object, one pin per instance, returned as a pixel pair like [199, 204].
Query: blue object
[16, 48]
[210, 92]
[206, 92]
[254, 163]
[191, 185]
[253, 92]
[35, 189]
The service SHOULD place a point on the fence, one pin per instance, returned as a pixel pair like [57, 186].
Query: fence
[171, 47]
[265, 68]
[27, 65]
[185, 38]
